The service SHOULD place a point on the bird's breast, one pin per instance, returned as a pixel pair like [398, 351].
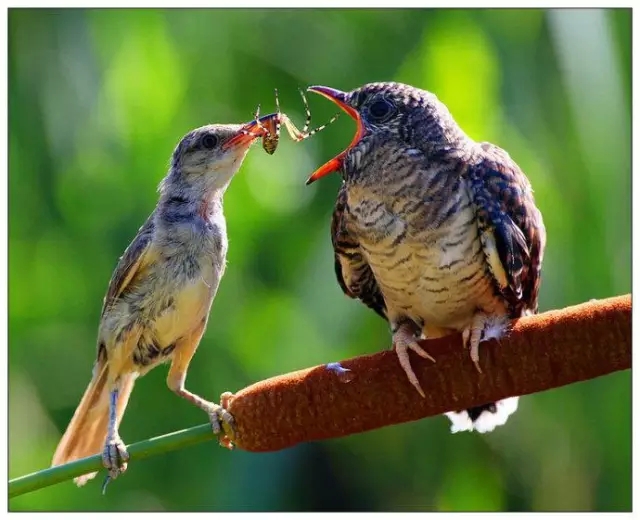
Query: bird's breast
[168, 303]
[190, 303]
[426, 255]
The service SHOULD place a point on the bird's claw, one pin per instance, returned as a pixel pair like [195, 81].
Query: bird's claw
[107, 479]
[114, 458]
[475, 357]
[471, 338]
[404, 341]
[223, 425]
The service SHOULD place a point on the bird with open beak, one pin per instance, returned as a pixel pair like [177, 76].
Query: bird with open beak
[435, 232]
[158, 301]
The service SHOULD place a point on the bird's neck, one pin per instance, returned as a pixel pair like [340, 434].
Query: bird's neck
[184, 198]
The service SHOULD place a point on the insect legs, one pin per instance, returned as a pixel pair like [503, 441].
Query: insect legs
[301, 135]
[271, 126]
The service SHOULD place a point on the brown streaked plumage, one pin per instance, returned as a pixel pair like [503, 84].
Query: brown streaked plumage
[434, 232]
[158, 301]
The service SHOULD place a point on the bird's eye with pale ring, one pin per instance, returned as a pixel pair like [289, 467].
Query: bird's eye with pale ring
[381, 110]
[209, 141]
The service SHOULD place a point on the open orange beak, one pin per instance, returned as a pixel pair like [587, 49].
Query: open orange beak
[340, 99]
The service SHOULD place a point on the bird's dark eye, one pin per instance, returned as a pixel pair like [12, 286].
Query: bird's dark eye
[209, 141]
[381, 110]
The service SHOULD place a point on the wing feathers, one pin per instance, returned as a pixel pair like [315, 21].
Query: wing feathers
[352, 270]
[511, 227]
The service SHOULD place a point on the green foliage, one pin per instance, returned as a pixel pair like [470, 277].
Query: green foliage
[97, 101]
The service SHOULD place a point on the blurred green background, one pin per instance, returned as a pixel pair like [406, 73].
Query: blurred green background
[97, 101]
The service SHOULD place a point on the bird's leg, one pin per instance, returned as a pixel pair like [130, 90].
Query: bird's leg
[405, 338]
[221, 420]
[114, 454]
[472, 335]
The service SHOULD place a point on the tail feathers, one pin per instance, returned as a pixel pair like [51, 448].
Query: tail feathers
[87, 431]
[484, 418]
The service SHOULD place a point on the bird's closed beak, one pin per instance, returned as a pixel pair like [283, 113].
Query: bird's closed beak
[340, 99]
[249, 132]
[244, 137]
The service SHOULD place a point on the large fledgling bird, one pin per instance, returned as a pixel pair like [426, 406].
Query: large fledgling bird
[158, 301]
[433, 231]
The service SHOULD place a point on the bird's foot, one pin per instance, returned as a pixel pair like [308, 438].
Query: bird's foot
[482, 328]
[471, 338]
[222, 424]
[404, 339]
[115, 458]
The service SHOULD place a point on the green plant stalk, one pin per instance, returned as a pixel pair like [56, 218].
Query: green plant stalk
[139, 450]
[580, 342]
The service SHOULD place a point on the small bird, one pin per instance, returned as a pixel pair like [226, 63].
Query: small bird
[435, 232]
[158, 301]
